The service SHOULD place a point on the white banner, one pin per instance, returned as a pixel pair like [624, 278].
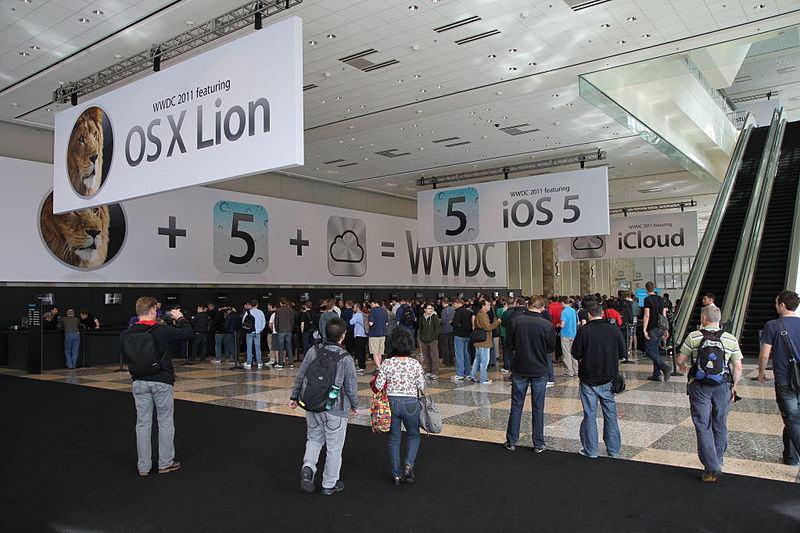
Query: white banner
[209, 236]
[232, 111]
[547, 206]
[658, 235]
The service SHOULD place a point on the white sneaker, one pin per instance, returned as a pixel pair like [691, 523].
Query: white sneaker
[457, 378]
[487, 382]
[262, 366]
[248, 366]
[503, 371]
[216, 361]
[550, 384]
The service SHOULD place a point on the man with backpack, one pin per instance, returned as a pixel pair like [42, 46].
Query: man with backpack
[715, 368]
[781, 339]
[655, 327]
[405, 316]
[326, 387]
[253, 323]
[147, 348]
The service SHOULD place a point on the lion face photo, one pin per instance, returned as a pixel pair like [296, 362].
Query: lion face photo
[79, 238]
[85, 152]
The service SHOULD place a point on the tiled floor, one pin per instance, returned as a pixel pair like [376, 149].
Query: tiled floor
[654, 417]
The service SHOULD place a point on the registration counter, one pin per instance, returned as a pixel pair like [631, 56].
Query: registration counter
[98, 346]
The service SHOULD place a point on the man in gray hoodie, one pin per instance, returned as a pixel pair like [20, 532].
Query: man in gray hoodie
[328, 428]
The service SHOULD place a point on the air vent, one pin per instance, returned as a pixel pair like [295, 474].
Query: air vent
[310, 86]
[786, 70]
[515, 130]
[391, 153]
[457, 24]
[650, 190]
[743, 79]
[347, 165]
[478, 37]
[357, 61]
[332, 161]
[458, 144]
[578, 5]
[446, 139]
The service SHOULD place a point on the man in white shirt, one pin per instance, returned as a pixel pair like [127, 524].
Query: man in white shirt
[253, 338]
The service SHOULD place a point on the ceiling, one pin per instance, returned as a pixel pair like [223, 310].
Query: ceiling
[443, 107]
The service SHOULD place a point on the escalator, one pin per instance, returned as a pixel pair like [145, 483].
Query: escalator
[770, 274]
[723, 253]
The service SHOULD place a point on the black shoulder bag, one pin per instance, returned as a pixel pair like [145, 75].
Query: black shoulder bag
[794, 367]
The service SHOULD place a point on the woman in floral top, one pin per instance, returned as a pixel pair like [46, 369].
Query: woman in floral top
[403, 377]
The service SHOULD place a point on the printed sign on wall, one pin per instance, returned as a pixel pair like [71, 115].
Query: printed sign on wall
[229, 112]
[203, 235]
[538, 207]
[671, 234]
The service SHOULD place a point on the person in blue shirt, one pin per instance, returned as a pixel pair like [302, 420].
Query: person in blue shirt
[359, 336]
[378, 321]
[569, 328]
[253, 339]
[405, 316]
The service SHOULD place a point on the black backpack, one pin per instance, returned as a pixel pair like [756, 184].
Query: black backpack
[407, 317]
[140, 351]
[710, 366]
[320, 377]
[249, 323]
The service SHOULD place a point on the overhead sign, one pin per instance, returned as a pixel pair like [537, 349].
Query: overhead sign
[668, 234]
[546, 206]
[209, 236]
[232, 111]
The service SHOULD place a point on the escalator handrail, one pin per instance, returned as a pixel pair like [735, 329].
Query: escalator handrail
[697, 273]
[741, 281]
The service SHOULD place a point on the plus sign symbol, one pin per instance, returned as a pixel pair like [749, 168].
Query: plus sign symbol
[172, 231]
[299, 242]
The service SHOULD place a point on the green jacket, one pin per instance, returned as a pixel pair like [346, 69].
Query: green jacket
[429, 328]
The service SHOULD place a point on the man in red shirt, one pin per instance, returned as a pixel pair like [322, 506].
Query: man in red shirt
[555, 316]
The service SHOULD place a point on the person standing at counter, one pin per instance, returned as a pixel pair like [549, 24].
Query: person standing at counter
[156, 388]
[50, 319]
[71, 324]
[89, 321]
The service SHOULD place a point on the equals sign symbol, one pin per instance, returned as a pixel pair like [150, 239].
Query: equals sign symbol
[387, 253]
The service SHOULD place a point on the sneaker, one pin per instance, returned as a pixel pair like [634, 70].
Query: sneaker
[171, 468]
[586, 454]
[457, 378]
[504, 371]
[143, 474]
[248, 366]
[291, 366]
[338, 487]
[487, 382]
[710, 477]
[360, 371]
[539, 450]
[434, 377]
[472, 379]
[278, 366]
[307, 479]
[510, 447]
[550, 384]
[667, 372]
[261, 366]
[216, 361]
[654, 378]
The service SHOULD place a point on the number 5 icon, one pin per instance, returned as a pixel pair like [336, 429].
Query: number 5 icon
[241, 234]
[455, 215]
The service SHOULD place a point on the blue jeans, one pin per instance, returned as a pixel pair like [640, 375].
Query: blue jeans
[405, 409]
[253, 341]
[789, 405]
[72, 341]
[551, 375]
[284, 345]
[519, 389]
[462, 356]
[589, 396]
[224, 344]
[709, 406]
[481, 363]
[652, 349]
[308, 340]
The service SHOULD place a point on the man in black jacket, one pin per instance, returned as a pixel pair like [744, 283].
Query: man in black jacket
[533, 340]
[156, 389]
[462, 329]
[598, 347]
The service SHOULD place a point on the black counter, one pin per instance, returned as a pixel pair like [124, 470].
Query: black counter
[99, 346]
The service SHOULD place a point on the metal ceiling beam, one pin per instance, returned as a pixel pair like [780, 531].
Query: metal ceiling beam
[251, 13]
[577, 159]
[652, 207]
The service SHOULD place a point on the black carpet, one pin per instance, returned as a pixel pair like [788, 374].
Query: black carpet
[69, 464]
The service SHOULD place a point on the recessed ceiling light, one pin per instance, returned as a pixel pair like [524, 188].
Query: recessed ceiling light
[759, 6]
[49, 109]
[631, 19]
[512, 50]
[322, 101]
[363, 106]
[570, 104]
[27, 1]
[338, 97]
[417, 76]
[512, 68]
[14, 104]
[532, 64]
[491, 56]
[645, 35]
[413, 8]
[331, 36]
[555, 95]
[399, 81]
[488, 109]
[313, 43]
[620, 42]
[118, 56]
[439, 87]
[347, 110]
[605, 26]
[83, 20]
[24, 54]
[98, 12]
[423, 90]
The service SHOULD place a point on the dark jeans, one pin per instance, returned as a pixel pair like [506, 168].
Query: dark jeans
[199, 346]
[284, 346]
[307, 339]
[405, 410]
[447, 349]
[519, 390]
[789, 405]
[709, 406]
[224, 344]
[652, 349]
[360, 351]
[508, 356]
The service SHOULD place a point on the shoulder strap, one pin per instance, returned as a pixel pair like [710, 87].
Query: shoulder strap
[785, 336]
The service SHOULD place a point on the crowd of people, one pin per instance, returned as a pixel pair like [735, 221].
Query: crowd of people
[590, 336]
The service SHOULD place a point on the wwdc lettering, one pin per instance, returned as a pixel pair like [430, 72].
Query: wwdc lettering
[223, 114]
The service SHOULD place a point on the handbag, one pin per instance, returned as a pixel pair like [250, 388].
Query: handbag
[478, 335]
[618, 384]
[380, 411]
[794, 366]
[430, 418]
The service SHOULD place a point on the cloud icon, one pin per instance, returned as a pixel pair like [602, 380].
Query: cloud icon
[346, 248]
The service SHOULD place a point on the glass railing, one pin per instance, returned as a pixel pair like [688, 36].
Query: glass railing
[741, 279]
[692, 288]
